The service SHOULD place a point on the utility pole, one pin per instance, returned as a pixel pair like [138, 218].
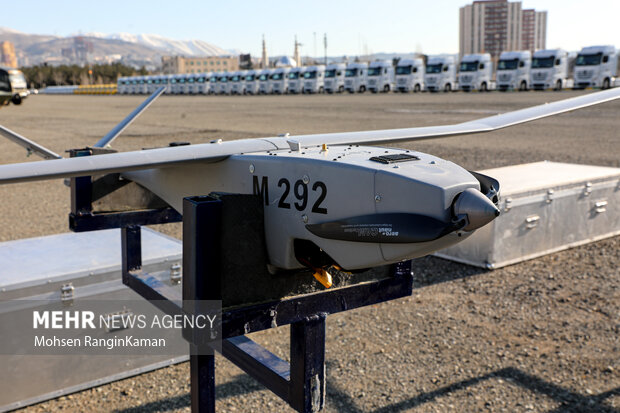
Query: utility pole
[325, 46]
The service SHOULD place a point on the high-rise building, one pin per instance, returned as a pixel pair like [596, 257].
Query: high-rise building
[494, 26]
[7, 54]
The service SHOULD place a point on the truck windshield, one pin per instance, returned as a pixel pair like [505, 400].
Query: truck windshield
[542, 62]
[293, 75]
[589, 59]
[403, 70]
[469, 66]
[434, 68]
[223, 79]
[263, 77]
[310, 75]
[508, 64]
[213, 79]
[5, 86]
[235, 78]
[374, 71]
[350, 73]
[330, 73]
[276, 76]
[18, 81]
[249, 78]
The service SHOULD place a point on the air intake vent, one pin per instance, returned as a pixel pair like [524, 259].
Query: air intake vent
[399, 157]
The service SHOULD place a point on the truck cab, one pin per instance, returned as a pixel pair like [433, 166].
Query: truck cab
[380, 76]
[295, 80]
[314, 77]
[596, 66]
[13, 86]
[355, 77]
[549, 69]
[279, 80]
[223, 83]
[334, 77]
[440, 74]
[201, 84]
[235, 81]
[251, 82]
[410, 75]
[122, 85]
[475, 72]
[513, 70]
[264, 86]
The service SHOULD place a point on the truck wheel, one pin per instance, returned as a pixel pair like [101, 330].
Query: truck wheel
[523, 86]
[321, 90]
[447, 87]
[558, 85]
[362, 89]
[16, 99]
[340, 89]
[605, 83]
[386, 88]
[416, 88]
[483, 87]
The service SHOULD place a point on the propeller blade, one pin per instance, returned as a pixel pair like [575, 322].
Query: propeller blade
[118, 129]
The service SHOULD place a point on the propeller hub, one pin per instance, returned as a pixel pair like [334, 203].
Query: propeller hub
[477, 207]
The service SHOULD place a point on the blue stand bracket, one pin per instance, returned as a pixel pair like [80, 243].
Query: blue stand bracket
[302, 382]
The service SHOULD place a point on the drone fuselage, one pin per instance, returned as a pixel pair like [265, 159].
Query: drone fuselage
[302, 189]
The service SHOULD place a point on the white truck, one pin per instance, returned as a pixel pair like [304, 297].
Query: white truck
[513, 70]
[355, 77]
[295, 80]
[279, 80]
[201, 84]
[380, 76]
[264, 87]
[440, 74]
[334, 77]
[122, 85]
[313, 79]
[476, 72]
[235, 83]
[549, 69]
[410, 75]
[223, 85]
[213, 83]
[596, 66]
[251, 82]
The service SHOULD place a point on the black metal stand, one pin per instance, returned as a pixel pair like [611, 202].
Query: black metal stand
[302, 383]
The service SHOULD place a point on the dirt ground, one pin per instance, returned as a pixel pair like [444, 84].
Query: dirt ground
[540, 336]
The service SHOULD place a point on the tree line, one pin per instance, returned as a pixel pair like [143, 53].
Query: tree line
[44, 75]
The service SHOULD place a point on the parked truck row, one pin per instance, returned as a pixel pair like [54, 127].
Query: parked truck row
[595, 66]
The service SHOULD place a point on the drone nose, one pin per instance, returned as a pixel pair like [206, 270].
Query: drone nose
[478, 208]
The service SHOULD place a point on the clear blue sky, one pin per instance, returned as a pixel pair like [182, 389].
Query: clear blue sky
[351, 26]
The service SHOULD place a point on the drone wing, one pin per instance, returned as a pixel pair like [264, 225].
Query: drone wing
[155, 158]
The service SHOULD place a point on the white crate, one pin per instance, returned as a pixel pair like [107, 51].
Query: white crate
[545, 207]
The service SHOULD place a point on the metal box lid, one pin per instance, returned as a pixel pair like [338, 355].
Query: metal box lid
[537, 176]
[63, 257]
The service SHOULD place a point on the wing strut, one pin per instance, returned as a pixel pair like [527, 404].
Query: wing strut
[118, 129]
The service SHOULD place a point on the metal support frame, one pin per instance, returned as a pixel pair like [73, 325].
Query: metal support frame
[301, 383]
[82, 218]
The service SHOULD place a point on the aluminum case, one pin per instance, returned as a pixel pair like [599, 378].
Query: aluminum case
[545, 207]
[90, 263]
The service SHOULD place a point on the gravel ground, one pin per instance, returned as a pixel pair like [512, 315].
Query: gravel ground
[540, 336]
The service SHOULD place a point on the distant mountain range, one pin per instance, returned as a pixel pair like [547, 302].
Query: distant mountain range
[135, 50]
